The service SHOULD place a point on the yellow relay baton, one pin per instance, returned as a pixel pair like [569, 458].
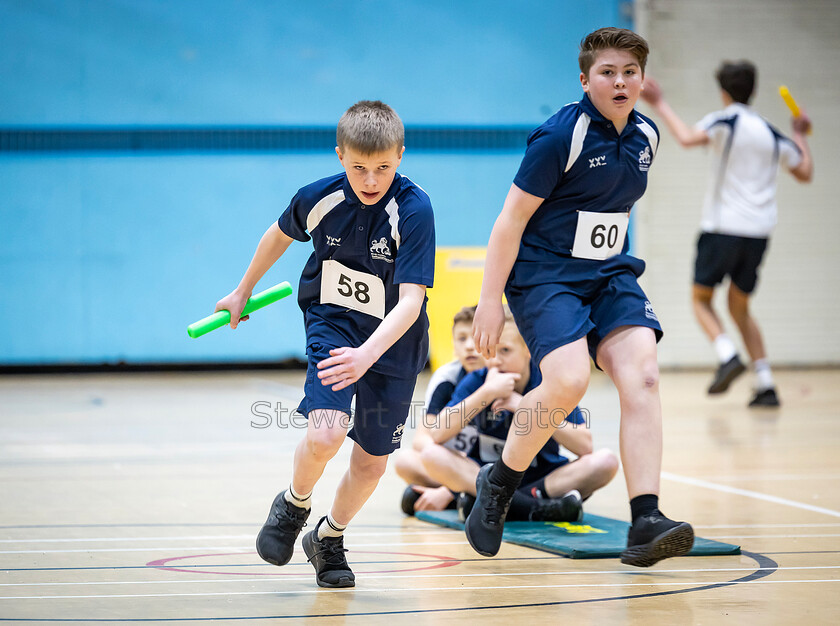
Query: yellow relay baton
[784, 92]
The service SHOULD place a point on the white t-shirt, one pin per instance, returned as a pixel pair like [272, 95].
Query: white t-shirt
[746, 152]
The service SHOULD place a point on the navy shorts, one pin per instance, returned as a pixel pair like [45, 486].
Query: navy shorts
[382, 403]
[592, 305]
[719, 256]
[533, 475]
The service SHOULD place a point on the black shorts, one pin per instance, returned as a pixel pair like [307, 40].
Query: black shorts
[719, 256]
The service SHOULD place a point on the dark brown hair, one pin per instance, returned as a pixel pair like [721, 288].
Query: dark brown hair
[611, 38]
[737, 78]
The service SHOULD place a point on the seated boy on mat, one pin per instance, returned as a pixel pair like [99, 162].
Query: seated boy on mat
[488, 399]
[423, 493]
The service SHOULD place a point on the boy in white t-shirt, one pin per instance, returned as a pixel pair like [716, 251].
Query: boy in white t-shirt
[739, 212]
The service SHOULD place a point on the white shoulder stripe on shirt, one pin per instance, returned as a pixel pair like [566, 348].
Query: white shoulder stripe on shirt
[393, 211]
[578, 135]
[647, 129]
[324, 206]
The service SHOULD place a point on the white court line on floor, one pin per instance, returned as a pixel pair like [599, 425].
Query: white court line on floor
[230, 548]
[414, 590]
[722, 526]
[687, 480]
[363, 576]
[716, 537]
[349, 535]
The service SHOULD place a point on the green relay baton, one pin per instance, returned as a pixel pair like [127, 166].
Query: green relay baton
[220, 318]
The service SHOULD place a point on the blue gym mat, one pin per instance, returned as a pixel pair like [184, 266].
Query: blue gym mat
[594, 537]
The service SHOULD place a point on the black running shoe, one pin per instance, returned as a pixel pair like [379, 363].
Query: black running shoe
[276, 541]
[567, 508]
[654, 537]
[409, 497]
[765, 398]
[486, 522]
[725, 374]
[327, 556]
[464, 504]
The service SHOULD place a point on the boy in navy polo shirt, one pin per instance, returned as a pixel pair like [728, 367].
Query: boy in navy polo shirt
[488, 400]
[362, 293]
[559, 251]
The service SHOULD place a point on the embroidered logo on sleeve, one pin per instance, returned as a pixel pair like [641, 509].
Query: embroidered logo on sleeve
[644, 159]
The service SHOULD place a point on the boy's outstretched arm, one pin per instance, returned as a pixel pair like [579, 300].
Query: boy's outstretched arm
[687, 136]
[273, 244]
[347, 365]
[501, 253]
[805, 170]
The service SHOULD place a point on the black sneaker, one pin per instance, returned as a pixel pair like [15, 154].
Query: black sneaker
[276, 541]
[327, 556]
[409, 497]
[654, 537]
[567, 508]
[725, 374]
[765, 397]
[486, 522]
[464, 504]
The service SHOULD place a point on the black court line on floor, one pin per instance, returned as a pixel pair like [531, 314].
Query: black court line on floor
[766, 566]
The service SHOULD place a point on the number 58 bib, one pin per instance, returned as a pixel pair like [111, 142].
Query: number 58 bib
[352, 289]
[599, 235]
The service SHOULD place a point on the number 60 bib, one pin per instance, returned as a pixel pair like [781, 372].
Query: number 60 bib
[599, 235]
[352, 290]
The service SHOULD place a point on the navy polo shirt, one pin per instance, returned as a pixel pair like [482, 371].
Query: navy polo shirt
[393, 240]
[497, 426]
[577, 161]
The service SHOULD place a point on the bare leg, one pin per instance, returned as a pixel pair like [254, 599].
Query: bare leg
[701, 300]
[628, 356]
[409, 466]
[739, 308]
[325, 432]
[586, 474]
[565, 376]
[357, 484]
[456, 472]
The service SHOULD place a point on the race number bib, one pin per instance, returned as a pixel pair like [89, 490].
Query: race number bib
[463, 441]
[490, 449]
[352, 290]
[599, 235]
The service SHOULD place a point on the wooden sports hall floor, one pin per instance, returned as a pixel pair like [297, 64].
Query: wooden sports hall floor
[136, 498]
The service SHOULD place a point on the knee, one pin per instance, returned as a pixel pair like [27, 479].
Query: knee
[403, 464]
[606, 465]
[431, 456]
[566, 387]
[323, 443]
[371, 469]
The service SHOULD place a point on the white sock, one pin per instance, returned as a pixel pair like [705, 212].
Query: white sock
[302, 501]
[328, 527]
[763, 375]
[724, 347]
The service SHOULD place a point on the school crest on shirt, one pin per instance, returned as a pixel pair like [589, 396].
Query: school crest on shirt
[380, 250]
[644, 159]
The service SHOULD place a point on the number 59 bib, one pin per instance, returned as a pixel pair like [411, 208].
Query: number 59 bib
[352, 290]
[599, 235]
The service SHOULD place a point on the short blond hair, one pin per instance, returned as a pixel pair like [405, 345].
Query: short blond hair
[369, 127]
